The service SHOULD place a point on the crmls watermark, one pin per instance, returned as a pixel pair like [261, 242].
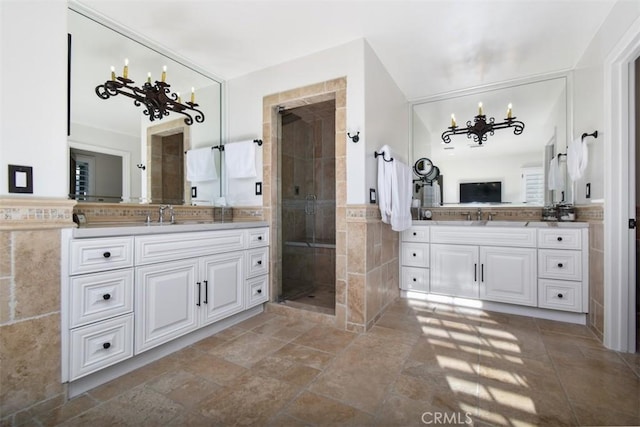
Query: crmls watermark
[446, 418]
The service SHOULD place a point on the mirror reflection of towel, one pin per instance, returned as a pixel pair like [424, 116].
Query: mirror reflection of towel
[201, 165]
[555, 179]
[240, 159]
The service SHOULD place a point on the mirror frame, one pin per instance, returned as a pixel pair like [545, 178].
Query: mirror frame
[118, 28]
[567, 75]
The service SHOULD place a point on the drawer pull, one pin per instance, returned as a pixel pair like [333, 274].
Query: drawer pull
[259, 262]
[199, 286]
[206, 292]
[259, 291]
[559, 239]
[107, 254]
[415, 234]
[106, 345]
[475, 272]
[560, 296]
[415, 280]
[259, 237]
[560, 265]
[414, 254]
[106, 296]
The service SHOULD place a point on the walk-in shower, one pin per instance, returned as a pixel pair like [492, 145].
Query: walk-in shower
[308, 205]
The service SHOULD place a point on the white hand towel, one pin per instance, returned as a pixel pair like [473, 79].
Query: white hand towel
[201, 165]
[401, 194]
[555, 179]
[577, 158]
[240, 159]
[385, 170]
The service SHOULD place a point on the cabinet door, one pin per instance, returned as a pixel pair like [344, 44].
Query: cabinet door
[221, 284]
[166, 301]
[508, 275]
[454, 270]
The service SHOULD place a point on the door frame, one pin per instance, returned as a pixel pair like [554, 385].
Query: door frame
[619, 192]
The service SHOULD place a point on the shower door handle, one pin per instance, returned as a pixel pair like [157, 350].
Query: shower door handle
[310, 204]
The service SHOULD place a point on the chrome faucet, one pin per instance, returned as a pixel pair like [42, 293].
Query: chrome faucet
[161, 218]
[490, 216]
[479, 215]
[467, 215]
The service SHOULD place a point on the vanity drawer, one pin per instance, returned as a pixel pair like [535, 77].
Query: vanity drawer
[99, 345]
[109, 253]
[258, 291]
[100, 296]
[416, 234]
[257, 262]
[170, 247]
[415, 254]
[560, 238]
[258, 237]
[557, 264]
[484, 236]
[560, 295]
[415, 279]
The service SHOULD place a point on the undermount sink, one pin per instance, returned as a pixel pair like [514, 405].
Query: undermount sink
[482, 223]
[458, 223]
[506, 223]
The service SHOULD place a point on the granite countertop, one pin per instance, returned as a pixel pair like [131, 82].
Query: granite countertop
[508, 224]
[108, 229]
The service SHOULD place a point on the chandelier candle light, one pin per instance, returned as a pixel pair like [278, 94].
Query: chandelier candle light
[481, 127]
[157, 98]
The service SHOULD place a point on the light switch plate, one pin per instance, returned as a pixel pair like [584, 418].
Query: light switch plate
[258, 188]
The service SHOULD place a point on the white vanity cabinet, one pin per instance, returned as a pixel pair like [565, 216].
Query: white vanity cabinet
[414, 258]
[563, 269]
[124, 295]
[497, 264]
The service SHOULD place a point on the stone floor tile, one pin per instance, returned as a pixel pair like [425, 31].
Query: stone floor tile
[325, 339]
[248, 348]
[323, 411]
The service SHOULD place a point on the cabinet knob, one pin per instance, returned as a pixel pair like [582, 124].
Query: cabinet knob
[259, 262]
[560, 296]
[106, 345]
[107, 254]
[559, 239]
[106, 296]
[259, 291]
[415, 234]
[560, 265]
[259, 237]
[414, 254]
[415, 280]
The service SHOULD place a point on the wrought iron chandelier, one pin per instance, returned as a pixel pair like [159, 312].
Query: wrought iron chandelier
[157, 98]
[481, 127]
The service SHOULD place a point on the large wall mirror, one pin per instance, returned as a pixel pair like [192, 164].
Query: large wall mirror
[116, 154]
[519, 163]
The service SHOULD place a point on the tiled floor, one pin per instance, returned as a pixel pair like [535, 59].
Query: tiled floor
[423, 363]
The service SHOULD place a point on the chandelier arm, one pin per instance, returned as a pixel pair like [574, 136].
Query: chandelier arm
[157, 100]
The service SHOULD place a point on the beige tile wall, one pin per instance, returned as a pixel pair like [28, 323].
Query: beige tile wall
[30, 302]
[594, 215]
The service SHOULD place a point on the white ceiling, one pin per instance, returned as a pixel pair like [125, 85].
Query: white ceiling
[428, 46]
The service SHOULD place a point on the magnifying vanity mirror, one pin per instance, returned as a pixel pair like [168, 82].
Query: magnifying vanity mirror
[518, 163]
[116, 153]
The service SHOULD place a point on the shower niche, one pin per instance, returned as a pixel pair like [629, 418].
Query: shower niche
[308, 196]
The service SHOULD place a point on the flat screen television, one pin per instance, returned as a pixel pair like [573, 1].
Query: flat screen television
[481, 192]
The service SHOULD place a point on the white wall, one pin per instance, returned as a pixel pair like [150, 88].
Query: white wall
[588, 95]
[386, 120]
[244, 98]
[33, 105]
